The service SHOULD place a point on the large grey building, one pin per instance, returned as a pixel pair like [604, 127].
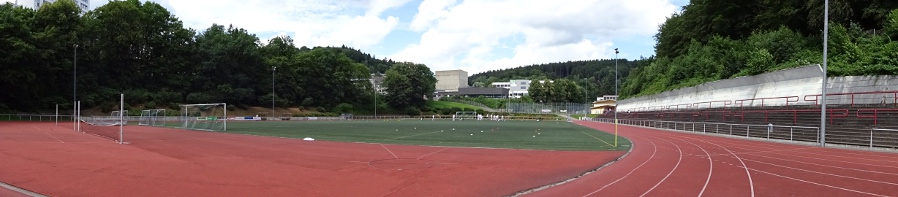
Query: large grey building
[451, 80]
[36, 4]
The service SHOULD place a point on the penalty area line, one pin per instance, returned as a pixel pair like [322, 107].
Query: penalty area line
[400, 137]
[603, 141]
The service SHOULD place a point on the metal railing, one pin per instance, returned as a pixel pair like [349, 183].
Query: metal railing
[886, 137]
[34, 117]
[770, 132]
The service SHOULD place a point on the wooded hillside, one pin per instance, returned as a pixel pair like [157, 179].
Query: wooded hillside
[713, 40]
[142, 50]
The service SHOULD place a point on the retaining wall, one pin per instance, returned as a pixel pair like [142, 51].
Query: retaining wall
[795, 86]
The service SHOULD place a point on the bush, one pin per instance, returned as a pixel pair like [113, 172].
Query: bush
[174, 106]
[480, 111]
[343, 108]
[307, 102]
[149, 105]
[106, 107]
[426, 109]
[231, 108]
[446, 111]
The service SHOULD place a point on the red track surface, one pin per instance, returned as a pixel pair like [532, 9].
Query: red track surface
[666, 163]
[56, 161]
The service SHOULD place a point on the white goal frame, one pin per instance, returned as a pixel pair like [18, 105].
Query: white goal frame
[186, 118]
[152, 117]
[461, 115]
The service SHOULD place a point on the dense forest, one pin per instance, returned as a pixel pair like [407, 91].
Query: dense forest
[142, 50]
[713, 40]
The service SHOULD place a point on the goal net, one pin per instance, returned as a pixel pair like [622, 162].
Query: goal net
[111, 127]
[123, 113]
[152, 117]
[208, 117]
[461, 115]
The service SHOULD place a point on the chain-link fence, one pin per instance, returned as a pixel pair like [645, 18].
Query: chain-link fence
[548, 108]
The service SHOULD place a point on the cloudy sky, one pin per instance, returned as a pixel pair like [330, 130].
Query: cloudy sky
[472, 35]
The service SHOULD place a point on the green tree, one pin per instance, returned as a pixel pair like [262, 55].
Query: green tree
[228, 68]
[279, 55]
[408, 84]
[331, 78]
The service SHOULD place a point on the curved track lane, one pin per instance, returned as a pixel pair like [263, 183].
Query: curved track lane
[670, 163]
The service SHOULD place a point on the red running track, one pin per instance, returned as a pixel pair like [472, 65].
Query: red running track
[56, 161]
[670, 163]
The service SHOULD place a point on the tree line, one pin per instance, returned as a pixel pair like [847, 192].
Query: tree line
[573, 79]
[142, 50]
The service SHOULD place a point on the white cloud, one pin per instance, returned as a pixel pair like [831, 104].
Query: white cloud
[353, 23]
[467, 34]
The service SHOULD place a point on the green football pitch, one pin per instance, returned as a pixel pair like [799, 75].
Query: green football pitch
[529, 134]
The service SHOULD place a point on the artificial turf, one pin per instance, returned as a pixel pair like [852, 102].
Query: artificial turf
[517, 134]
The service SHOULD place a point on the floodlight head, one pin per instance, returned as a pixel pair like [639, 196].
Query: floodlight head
[615, 51]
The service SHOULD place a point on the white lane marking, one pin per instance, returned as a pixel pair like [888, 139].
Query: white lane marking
[823, 173]
[654, 150]
[671, 171]
[815, 183]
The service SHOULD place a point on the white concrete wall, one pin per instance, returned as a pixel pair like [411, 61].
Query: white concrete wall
[795, 83]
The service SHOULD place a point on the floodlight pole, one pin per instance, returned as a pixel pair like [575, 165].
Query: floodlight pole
[823, 89]
[273, 95]
[617, 97]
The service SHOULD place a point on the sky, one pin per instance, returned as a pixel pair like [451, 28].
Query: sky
[472, 35]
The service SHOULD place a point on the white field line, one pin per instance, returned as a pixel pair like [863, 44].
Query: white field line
[419, 158]
[603, 141]
[54, 137]
[388, 150]
[400, 137]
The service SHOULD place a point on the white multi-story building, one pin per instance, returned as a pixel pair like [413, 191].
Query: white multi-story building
[516, 88]
[36, 4]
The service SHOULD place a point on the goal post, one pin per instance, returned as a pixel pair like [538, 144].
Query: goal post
[461, 115]
[152, 117]
[121, 113]
[207, 117]
[111, 127]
